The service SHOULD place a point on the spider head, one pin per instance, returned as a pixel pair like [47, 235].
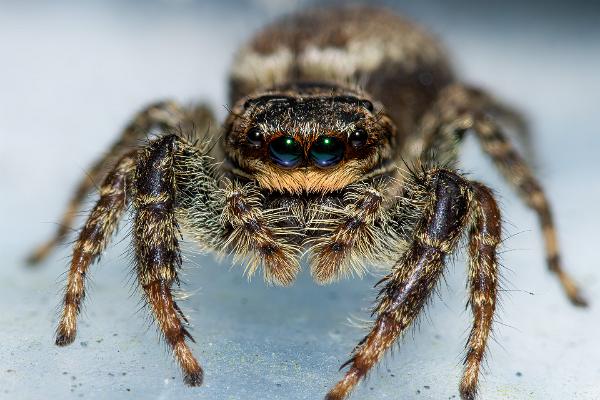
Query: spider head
[307, 138]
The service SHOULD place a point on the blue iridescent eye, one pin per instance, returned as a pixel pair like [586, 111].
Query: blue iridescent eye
[327, 151]
[286, 152]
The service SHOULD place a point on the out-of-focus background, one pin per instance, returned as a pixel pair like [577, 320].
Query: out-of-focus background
[72, 73]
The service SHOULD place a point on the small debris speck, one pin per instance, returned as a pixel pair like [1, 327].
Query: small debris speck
[129, 390]
[65, 373]
[111, 374]
[123, 373]
[427, 387]
[10, 371]
[83, 344]
[519, 373]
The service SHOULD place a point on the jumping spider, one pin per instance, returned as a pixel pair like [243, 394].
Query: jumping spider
[309, 162]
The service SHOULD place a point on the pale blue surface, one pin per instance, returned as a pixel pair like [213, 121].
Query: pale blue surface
[71, 77]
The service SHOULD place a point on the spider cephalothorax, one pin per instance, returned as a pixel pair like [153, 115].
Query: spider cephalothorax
[309, 137]
[309, 164]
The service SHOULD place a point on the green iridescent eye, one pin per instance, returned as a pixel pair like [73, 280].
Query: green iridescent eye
[285, 151]
[327, 151]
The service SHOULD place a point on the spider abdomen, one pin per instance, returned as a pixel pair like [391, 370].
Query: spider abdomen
[388, 57]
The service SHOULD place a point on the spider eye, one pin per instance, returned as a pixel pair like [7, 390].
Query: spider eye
[255, 136]
[358, 138]
[285, 151]
[327, 151]
[367, 104]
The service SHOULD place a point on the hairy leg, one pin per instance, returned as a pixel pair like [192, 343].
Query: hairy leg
[157, 249]
[173, 180]
[521, 177]
[176, 182]
[507, 115]
[162, 116]
[408, 287]
[484, 237]
[92, 240]
[458, 111]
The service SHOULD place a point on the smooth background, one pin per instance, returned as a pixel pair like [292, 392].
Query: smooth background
[71, 74]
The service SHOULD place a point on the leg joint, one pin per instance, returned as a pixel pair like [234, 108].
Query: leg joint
[451, 207]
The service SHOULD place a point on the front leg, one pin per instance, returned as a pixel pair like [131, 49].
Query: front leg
[157, 250]
[452, 201]
[176, 183]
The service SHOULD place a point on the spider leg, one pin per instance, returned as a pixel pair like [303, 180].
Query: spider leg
[157, 248]
[452, 203]
[484, 237]
[162, 115]
[176, 183]
[507, 114]
[458, 113]
[92, 240]
[520, 176]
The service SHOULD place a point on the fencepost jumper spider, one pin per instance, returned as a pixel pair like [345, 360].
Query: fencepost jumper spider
[341, 143]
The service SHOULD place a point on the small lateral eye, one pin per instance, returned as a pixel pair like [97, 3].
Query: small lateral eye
[248, 103]
[255, 136]
[358, 138]
[367, 104]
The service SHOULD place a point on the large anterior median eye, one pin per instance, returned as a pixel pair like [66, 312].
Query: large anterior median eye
[327, 151]
[285, 151]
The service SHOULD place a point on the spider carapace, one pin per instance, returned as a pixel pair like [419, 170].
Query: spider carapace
[341, 143]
